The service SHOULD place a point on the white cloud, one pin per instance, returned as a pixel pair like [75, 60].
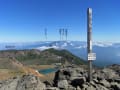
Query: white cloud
[103, 44]
[64, 45]
[46, 47]
[84, 46]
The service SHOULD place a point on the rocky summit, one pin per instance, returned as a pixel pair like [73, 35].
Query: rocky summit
[74, 78]
[68, 78]
[26, 82]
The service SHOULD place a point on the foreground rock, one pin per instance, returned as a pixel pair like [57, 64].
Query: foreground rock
[27, 82]
[68, 78]
[74, 78]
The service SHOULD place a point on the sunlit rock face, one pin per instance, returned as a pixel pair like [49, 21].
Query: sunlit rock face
[26, 82]
[68, 78]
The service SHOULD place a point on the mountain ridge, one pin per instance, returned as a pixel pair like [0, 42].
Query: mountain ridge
[107, 52]
[41, 57]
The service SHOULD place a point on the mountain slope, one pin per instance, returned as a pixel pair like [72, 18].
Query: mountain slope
[107, 53]
[66, 55]
[36, 57]
[10, 67]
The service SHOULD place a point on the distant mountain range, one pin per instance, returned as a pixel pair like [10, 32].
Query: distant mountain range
[107, 53]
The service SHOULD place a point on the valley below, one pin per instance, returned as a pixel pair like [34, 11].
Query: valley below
[53, 69]
[108, 53]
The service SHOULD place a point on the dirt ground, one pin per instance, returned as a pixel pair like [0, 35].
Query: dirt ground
[39, 67]
[6, 73]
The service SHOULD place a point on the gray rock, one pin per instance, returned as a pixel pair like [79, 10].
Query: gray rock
[27, 82]
[100, 87]
[93, 83]
[74, 73]
[52, 88]
[90, 88]
[84, 86]
[78, 81]
[105, 83]
[115, 86]
[63, 84]
[67, 78]
[47, 83]
[70, 87]
[78, 88]
[61, 75]
[95, 75]
[9, 85]
[96, 81]
[117, 80]
[30, 82]
[109, 73]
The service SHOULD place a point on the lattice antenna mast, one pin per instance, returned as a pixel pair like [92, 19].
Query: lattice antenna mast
[46, 34]
[66, 33]
[63, 33]
[60, 32]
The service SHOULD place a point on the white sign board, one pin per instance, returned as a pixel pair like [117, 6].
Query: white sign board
[91, 56]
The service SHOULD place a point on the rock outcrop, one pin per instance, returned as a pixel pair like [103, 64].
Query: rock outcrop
[26, 82]
[67, 78]
[74, 78]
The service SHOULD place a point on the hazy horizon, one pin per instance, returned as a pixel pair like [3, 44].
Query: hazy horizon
[57, 41]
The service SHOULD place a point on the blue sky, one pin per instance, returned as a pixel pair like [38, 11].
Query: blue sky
[25, 20]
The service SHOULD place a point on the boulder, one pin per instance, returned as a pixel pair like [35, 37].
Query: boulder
[70, 87]
[117, 80]
[48, 84]
[30, 82]
[109, 73]
[78, 88]
[84, 86]
[60, 75]
[100, 87]
[105, 83]
[52, 88]
[90, 88]
[9, 84]
[115, 86]
[26, 82]
[95, 81]
[78, 81]
[73, 73]
[63, 84]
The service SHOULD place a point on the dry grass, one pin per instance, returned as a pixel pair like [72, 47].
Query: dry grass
[9, 73]
[39, 67]
[6, 74]
[48, 77]
[17, 69]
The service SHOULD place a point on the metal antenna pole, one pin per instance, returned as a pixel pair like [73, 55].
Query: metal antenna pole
[60, 32]
[89, 40]
[66, 33]
[63, 34]
[46, 34]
